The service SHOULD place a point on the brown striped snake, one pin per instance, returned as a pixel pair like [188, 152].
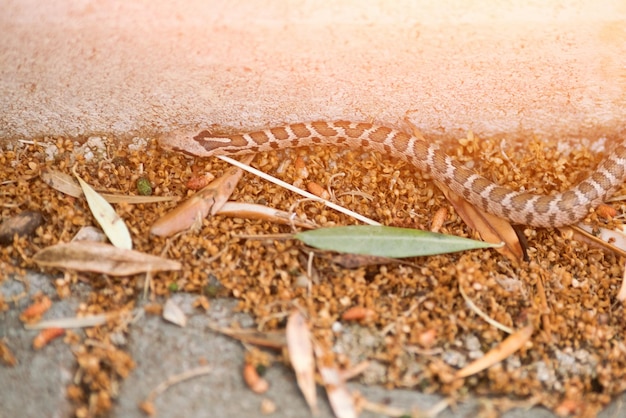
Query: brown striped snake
[560, 209]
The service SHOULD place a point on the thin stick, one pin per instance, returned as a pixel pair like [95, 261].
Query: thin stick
[297, 190]
[175, 379]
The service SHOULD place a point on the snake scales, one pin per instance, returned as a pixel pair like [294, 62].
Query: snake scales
[518, 207]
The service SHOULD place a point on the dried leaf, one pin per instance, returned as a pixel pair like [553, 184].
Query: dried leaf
[22, 224]
[65, 183]
[507, 347]
[208, 200]
[270, 339]
[256, 211]
[90, 233]
[173, 313]
[386, 241]
[353, 261]
[300, 351]
[491, 228]
[111, 223]
[603, 238]
[102, 258]
[340, 398]
[6, 356]
[61, 182]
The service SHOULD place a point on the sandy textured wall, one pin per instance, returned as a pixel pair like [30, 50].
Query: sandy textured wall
[121, 67]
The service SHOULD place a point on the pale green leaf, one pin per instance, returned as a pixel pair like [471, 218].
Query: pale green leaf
[386, 241]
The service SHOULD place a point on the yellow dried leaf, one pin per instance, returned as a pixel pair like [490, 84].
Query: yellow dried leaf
[111, 223]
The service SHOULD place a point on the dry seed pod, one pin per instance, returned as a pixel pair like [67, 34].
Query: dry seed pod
[36, 309]
[199, 182]
[317, 190]
[301, 170]
[144, 187]
[45, 336]
[438, 219]
[358, 313]
[606, 211]
[255, 382]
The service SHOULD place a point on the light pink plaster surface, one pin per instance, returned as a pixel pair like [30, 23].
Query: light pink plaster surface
[128, 67]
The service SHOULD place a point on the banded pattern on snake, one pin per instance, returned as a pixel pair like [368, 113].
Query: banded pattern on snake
[560, 209]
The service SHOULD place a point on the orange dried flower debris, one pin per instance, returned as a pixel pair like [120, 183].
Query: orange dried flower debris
[566, 287]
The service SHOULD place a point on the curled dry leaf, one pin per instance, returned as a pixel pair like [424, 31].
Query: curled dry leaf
[300, 350]
[111, 223]
[208, 200]
[507, 347]
[490, 227]
[173, 313]
[102, 258]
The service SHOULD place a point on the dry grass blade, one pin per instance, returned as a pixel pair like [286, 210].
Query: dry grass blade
[470, 303]
[300, 348]
[507, 347]
[147, 405]
[111, 223]
[102, 258]
[208, 200]
[73, 322]
[621, 295]
[490, 227]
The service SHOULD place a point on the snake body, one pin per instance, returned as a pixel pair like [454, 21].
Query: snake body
[560, 209]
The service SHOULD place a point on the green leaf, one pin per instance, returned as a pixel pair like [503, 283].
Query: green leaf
[387, 241]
